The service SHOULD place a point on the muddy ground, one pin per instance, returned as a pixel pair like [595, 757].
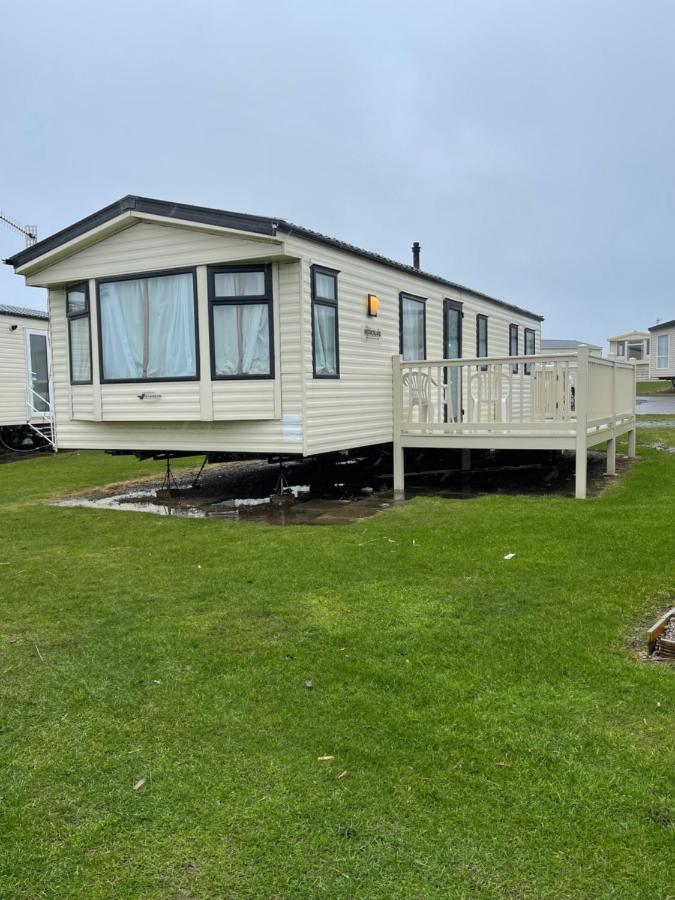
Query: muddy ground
[337, 491]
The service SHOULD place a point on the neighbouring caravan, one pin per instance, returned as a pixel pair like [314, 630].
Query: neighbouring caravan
[186, 329]
[557, 347]
[25, 380]
[633, 346]
[662, 359]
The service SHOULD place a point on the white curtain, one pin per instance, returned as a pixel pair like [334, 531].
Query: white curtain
[171, 338]
[325, 349]
[240, 284]
[413, 329]
[80, 358]
[148, 328]
[324, 286]
[241, 336]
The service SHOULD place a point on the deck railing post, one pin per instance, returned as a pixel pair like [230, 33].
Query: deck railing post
[581, 399]
[397, 384]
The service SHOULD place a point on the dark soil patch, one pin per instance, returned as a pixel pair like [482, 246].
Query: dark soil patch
[328, 491]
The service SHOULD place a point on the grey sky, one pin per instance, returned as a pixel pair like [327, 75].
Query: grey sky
[528, 145]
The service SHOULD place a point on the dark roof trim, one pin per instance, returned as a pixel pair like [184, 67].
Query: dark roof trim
[239, 221]
[255, 224]
[661, 325]
[22, 312]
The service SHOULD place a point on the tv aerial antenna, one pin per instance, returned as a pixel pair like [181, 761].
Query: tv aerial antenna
[28, 231]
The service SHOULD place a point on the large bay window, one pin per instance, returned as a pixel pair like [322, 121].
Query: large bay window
[79, 334]
[325, 330]
[148, 328]
[412, 326]
[240, 321]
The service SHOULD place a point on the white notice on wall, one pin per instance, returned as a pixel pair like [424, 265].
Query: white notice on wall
[292, 428]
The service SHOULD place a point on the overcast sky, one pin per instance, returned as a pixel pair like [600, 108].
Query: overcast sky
[528, 145]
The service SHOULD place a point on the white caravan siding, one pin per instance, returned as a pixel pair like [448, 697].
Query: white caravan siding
[14, 368]
[292, 413]
[356, 409]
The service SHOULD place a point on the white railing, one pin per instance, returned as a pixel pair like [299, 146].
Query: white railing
[40, 415]
[38, 406]
[517, 395]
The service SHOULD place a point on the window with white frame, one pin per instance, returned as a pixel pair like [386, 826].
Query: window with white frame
[240, 314]
[620, 348]
[662, 351]
[79, 333]
[325, 325]
[148, 327]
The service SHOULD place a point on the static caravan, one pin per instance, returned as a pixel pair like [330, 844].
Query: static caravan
[633, 346]
[662, 359]
[25, 378]
[556, 347]
[188, 329]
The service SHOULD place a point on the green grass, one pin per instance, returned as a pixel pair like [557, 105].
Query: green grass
[499, 736]
[654, 388]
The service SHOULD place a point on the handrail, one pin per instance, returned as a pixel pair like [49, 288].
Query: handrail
[489, 360]
[45, 413]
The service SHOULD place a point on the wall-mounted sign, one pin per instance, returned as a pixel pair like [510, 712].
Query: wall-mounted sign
[372, 334]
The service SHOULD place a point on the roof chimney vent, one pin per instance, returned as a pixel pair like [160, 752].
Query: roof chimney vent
[416, 254]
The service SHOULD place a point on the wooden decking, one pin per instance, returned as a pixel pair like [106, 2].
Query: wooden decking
[569, 402]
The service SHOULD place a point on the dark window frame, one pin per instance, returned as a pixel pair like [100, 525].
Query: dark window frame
[332, 304]
[137, 276]
[481, 317]
[404, 295]
[452, 304]
[80, 286]
[252, 299]
[527, 368]
[513, 332]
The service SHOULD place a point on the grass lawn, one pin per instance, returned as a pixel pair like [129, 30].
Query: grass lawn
[654, 388]
[488, 728]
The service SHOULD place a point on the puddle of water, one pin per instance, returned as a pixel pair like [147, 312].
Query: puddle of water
[299, 509]
[330, 493]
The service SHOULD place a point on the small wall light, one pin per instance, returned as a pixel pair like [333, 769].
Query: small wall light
[373, 305]
[13, 327]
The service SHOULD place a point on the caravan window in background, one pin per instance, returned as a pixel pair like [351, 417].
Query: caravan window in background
[412, 327]
[79, 333]
[148, 327]
[240, 321]
[662, 351]
[620, 348]
[325, 325]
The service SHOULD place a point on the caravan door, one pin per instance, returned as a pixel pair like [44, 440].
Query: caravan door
[38, 398]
